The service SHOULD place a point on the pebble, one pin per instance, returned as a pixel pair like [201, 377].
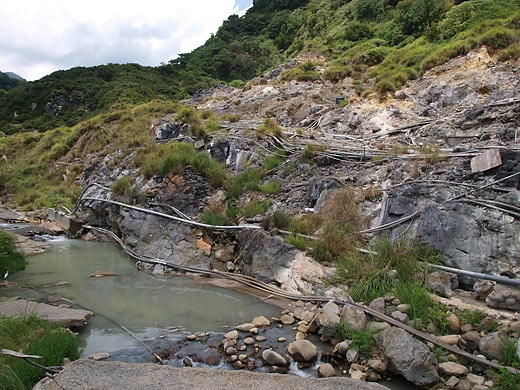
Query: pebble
[450, 339]
[403, 308]
[233, 335]
[260, 338]
[476, 379]
[299, 336]
[231, 351]
[377, 365]
[451, 368]
[249, 341]
[287, 319]
[187, 362]
[452, 381]
[403, 317]
[100, 356]
[191, 337]
[281, 339]
[261, 321]
[245, 327]
[242, 357]
[233, 358]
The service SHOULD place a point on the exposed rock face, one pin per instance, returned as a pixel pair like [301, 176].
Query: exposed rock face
[272, 259]
[169, 130]
[408, 356]
[471, 238]
[57, 315]
[302, 351]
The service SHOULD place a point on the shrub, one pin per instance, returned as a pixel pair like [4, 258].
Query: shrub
[415, 15]
[310, 151]
[10, 259]
[302, 72]
[357, 31]
[305, 224]
[512, 52]
[237, 83]
[337, 73]
[187, 115]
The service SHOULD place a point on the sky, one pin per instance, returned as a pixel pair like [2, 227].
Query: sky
[38, 37]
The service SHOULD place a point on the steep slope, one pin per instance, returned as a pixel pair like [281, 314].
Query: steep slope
[385, 41]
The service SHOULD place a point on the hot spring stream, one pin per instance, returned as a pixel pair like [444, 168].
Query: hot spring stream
[147, 305]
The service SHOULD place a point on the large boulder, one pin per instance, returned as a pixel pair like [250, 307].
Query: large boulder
[492, 345]
[408, 356]
[302, 351]
[271, 259]
[273, 358]
[353, 317]
[326, 320]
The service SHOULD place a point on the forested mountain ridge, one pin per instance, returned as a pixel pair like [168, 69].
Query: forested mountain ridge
[386, 41]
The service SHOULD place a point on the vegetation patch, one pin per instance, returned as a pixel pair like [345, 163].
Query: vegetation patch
[271, 187]
[305, 71]
[256, 207]
[363, 340]
[10, 259]
[32, 336]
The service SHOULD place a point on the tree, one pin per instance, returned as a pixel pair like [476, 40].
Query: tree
[416, 15]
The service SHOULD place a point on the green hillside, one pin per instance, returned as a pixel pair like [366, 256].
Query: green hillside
[8, 82]
[386, 41]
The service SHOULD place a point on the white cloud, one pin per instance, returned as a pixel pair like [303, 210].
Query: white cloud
[41, 36]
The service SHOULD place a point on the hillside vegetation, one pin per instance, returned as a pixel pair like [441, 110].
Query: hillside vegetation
[387, 41]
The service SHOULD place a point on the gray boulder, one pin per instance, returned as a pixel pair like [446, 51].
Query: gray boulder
[408, 356]
[273, 358]
[326, 320]
[302, 351]
[353, 317]
[440, 282]
[319, 184]
[492, 345]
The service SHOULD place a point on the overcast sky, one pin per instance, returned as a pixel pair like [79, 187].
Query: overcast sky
[38, 37]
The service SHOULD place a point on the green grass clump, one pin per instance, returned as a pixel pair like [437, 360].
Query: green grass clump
[187, 115]
[305, 71]
[174, 157]
[363, 340]
[123, 186]
[215, 218]
[256, 207]
[249, 180]
[274, 161]
[230, 117]
[512, 52]
[271, 187]
[509, 356]
[472, 317]
[10, 259]
[506, 380]
[418, 297]
[271, 127]
[33, 336]
[311, 150]
[298, 241]
[336, 73]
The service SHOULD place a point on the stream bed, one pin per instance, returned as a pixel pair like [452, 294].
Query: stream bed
[148, 305]
[161, 311]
